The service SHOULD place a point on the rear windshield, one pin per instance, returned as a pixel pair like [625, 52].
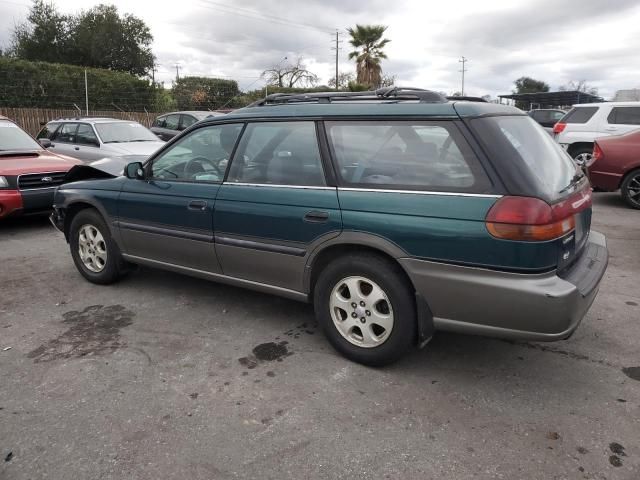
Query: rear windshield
[519, 138]
[122, 132]
[579, 115]
[13, 138]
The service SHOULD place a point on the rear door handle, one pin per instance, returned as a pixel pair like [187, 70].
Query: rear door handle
[77, 148]
[197, 205]
[316, 216]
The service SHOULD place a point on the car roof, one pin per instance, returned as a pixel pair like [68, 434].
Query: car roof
[453, 109]
[612, 104]
[192, 112]
[92, 120]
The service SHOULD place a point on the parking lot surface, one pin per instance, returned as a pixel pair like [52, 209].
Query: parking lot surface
[164, 376]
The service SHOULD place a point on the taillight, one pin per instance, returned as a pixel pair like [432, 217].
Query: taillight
[531, 219]
[559, 127]
[597, 153]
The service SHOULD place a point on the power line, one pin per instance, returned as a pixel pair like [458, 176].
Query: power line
[249, 13]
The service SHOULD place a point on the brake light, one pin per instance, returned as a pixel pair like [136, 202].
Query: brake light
[597, 153]
[559, 127]
[533, 220]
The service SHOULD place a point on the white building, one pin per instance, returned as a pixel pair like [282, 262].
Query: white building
[631, 95]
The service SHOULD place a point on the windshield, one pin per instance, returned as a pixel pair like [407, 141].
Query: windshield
[13, 137]
[520, 136]
[122, 132]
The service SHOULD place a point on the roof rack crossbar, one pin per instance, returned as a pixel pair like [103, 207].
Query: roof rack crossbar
[381, 94]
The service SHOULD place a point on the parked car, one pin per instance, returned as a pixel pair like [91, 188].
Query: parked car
[91, 139]
[615, 165]
[29, 174]
[547, 117]
[395, 212]
[578, 129]
[169, 125]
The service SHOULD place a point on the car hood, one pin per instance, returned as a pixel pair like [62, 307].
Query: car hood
[35, 161]
[133, 148]
[115, 165]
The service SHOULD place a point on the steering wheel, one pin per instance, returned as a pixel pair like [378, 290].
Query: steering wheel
[190, 167]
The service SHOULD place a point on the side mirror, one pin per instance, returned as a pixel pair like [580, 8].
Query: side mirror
[45, 142]
[134, 171]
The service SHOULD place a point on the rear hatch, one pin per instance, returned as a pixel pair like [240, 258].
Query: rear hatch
[549, 197]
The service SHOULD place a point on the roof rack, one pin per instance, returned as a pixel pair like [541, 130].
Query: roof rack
[392, 94]
[466, 98]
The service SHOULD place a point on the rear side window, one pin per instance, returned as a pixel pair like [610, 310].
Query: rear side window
[579, 115]
[516, 140]
[171, 122]
[405, 155]
[159, 122]
[187, 121]
[624, 116]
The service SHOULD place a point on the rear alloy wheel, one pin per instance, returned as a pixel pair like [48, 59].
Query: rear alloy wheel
[366, 308]
[630, 189]
[583, 156]
[94, 252]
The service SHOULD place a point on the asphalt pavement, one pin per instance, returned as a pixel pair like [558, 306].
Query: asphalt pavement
[163, 376]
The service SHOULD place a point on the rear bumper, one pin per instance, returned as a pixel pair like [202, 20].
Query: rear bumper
[605, 180]
[539, 307]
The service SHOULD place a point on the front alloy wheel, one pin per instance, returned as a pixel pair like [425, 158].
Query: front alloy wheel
[361, 311]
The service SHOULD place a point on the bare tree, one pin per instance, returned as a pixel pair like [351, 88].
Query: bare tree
[290, 75]
[579, 86]
[343, 80]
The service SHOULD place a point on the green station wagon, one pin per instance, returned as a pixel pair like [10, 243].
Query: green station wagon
[396, 213]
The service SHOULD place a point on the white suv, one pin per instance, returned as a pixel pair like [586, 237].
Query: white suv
[577, 130]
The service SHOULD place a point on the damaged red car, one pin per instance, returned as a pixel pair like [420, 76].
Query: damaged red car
[615, 165]
[29, 174]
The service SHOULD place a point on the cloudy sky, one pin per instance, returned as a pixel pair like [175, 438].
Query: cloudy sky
[552, 40]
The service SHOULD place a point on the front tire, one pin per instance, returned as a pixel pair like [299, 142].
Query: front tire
[93, 250]
[630, 189]
[366, 308]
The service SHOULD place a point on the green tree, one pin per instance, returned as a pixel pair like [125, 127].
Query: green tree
[530, 85]
[368, 43]
[44, 36]
[99, 38]
[201, 93]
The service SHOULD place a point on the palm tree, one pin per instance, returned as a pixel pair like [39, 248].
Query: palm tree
[368, 42]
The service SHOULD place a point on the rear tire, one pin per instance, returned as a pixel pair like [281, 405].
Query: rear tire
[630, 189]
[381, 327]
[95, 253]
[582, 156]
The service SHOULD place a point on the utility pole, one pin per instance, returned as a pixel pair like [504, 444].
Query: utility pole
[337, 49]
[463, 61]
[154, 69]
[86, 92]
[178, 67]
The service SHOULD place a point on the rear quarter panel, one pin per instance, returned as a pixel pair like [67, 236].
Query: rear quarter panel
[621, 154]
[445, 228]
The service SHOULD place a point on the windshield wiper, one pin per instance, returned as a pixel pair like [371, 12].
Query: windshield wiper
[113, 141]
[142, 140]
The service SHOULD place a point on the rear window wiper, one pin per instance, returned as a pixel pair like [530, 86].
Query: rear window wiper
[574, 181]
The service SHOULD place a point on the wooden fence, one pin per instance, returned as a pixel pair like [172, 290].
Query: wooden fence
[32, 119]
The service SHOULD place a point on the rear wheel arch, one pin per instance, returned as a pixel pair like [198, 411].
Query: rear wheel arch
[577, 147]
[632, 202]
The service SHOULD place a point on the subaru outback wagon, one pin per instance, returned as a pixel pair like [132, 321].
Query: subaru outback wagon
[396, 213]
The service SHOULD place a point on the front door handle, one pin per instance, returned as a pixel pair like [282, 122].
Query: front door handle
[315, 216]
[77, 148]
[200, 205]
